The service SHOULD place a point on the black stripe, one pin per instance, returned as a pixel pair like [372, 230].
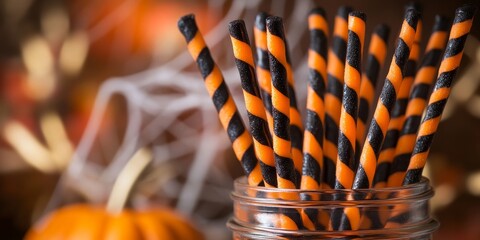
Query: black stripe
[339, 47]
[205, 62]
[220, 96]
[329, 171]
[293, 96]
[391, 139]
[293, 214]
[375, 137]
[334, 86]
[372, 68]
[345, 150]
[318, 10]
[314, 126]
[247, 77]
[358, 14]
[382, 31]
[238, 31]
[281, 123]
[279, 76]
[363, 110]
[411, 124]
[464, 13]
[269, 174]
[361, 179]
[455, 46]
[285, 168]
[260, 21]
[400, 163]
[350, 101]
[353, 50]
[318, 42]
[275, 26]
[331, 130]
[388, 95]
[411, 17]
[413, 176]
[311, 167]
[441, 24]
[188, 27]
[343, 12]
[249, 160]
[262, 59]
[401, 53]
[381, 174]
[345, 223]
[445, 79]
[420, 91]
[402, 218]
[235, 127]
[409, 69]
[296, 135]
[399, 108]
[259, 129]
[267, 101]
[316, 82]
[423, 144]
[432, 58]
[434, 110]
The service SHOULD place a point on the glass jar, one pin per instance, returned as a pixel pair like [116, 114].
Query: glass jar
[386, 213]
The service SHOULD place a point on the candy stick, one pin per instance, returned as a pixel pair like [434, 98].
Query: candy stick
[348, 118]
[296, 125]
[314, 129]
[349, 111]
[378, 126]
[281, 104]
[446, 73]
[262, 65]
[387, 153]
[223, 101]
[333, 94]
[375, 59]
[286, 176]
[262, 140]
[418, 97]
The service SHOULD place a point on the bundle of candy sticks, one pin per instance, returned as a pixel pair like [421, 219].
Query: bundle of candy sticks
[333, 148]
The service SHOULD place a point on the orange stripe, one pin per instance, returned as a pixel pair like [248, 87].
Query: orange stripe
[425, 75]
[449, 64]
[418, 160]
[295, 118]
[357, 25]
[367, 90]
[282, 147]
[382, 117]
[241, 144]
[242, 51]
[341, 28]
[344, 174]
[348, 127]
[281, 102]
[405, 144]
[330, 151]
[395, 179]
[352, 77]
[226, 112]
[311, 146]
[264, 153]
[213, 81]
[308, 183]
[407, 33]
[317, 62]
[353, 215]
[460, 29]
[255, 176]
[439, 94]
[368, 161]
[386, 155]
[196, 45]
[333, 106]
[277, 48]
[360, 132]
[315, 103]
[254, 105]
[378, 48]
[437, 41]
[260, 38]
[395, 75]
[429, 127]
[335, 66]
[316, 21]
[264, 79]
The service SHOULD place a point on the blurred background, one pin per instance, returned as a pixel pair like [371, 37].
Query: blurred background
[86, 84]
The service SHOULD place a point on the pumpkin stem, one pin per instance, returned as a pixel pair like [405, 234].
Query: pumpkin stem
[126, 179]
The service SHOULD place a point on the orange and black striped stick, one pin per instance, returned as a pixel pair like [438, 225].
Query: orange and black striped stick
[262, 65]
[348, 118]
[314, 128]
[387, 153]
[262, 140]
[286, 177]
[446, 73]
[418, 97]
[377, 52]
[334, 92]
[378, 126]
[223, 101]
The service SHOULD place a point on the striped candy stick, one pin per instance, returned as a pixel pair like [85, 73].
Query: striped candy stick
[262, 65]
[285, 167]
[377, 52]
[417, 102]
[223, 101]
[334, 92]
[378, 126]
[314, 128]
[262, 140]
[348, 117]
[446, 73]
[387, 153]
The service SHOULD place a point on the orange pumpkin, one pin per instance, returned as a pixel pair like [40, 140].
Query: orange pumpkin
[83, 221]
